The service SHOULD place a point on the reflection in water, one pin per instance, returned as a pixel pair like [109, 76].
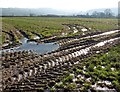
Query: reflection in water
[38, 48]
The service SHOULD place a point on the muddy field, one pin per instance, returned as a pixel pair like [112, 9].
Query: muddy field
[87, 59]
[34, 28]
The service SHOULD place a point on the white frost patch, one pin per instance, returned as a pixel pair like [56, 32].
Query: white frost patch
[84, 72]
[84, 30]
[74, 79]
[63, 58]
[106, 33]
[102, 34]
[25, 74]
[19, 77]
[94, 67]
[59, 83]
[97, 51]
[90, 28]
[104, 42]
[14, 78]
[73, 55]
[100, 44]
[106, 82]
[36, 37]
[5, 44]
[112, 69]
[110, 32]
[45, 66]
[75, 30]
[79, 75]
[72, 74]
[84, 67]
[57, 63]
[30, 73]
[35, 70]
[60, 59]
[88, 79]
[53, 63]
[82, 77]
[49, 64]
[76, 62]
[84, 51]
[68, 27]
[96, 87]
[103, 67]
[101, 88]
[83, 33]
[77, 54]
[67, 57]
[70, 55]
[64, 34]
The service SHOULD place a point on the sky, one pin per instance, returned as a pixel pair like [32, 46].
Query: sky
[81, 5]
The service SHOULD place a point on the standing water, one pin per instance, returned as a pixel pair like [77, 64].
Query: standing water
[38, 48]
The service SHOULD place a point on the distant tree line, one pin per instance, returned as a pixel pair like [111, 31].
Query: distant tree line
[107, 13]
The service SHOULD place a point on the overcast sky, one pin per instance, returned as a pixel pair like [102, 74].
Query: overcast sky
[81, 5]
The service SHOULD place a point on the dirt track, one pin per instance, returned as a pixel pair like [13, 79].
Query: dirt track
[27, 71]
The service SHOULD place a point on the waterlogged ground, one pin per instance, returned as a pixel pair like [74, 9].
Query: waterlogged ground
[40, 48]
[13, 28]
[80, 59]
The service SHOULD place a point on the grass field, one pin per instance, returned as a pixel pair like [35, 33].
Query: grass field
[48, 26]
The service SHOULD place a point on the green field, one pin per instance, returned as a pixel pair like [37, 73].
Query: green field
[48, 26]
